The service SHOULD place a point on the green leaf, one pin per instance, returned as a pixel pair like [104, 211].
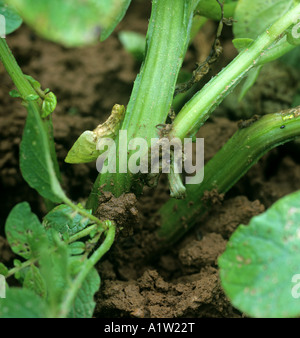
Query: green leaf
[35, 159]
[84, 304]
[72, 22]
[65, 220]
[84, 149]
[250, 81]
[32, 97]
[14, 93]
[76, 264]
[212, 10]
[56, 273]
[24, 231]
[114, 13]
[35, 282]
[22, 303]
[49, 99]
[3, 270]
[49, 104]
[242, 43]
[12, 19]
[134, 43]
[76, 248]
[20, 274]
[261, 261]
[255, 16]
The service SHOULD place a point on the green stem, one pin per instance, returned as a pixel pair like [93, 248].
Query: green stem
[84, 213]
[167, 40]
[198, 109]
[238, 155]
[88, 265]
[25, 89]
[15, 72]
[83, 233]
[24, 265]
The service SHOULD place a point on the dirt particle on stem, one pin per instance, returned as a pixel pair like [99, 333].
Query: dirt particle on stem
[122, 210]
[212, 197]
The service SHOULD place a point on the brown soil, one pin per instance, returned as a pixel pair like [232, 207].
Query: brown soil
[183, 281]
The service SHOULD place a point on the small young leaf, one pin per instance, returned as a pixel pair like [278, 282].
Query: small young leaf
[65, 220]
[84, 304]
[242, 43]
[32, 97]
[14, 93]
[134, 43]
[20, 274]
[22, 303]
[49, 104]
[35, 159]
[24, 231]
[76, 248]
[12, 19]
[35, 282]
[261, 261]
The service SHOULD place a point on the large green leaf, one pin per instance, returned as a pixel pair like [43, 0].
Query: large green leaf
[261, 263]
[255, 16]
[22, 303]
[24, 231]
[84, 304]
[12, 19]
[35, 159]
[72, 22]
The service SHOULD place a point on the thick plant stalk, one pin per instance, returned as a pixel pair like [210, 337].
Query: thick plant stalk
[167, 40]
[237, 156]
[199, 108]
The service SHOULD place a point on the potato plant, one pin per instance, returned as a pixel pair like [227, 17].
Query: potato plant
[57, 255]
